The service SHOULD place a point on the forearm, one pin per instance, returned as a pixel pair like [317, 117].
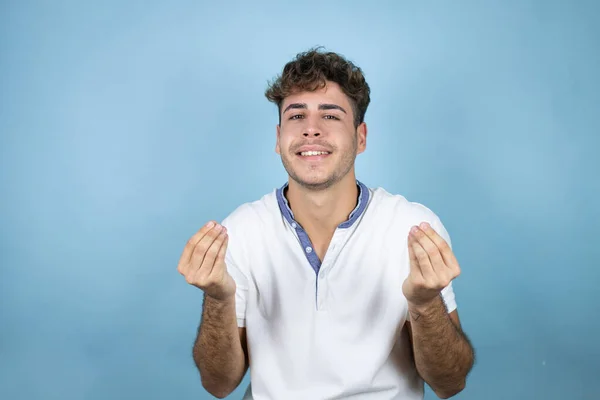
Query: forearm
[218, 351]
[443, 354]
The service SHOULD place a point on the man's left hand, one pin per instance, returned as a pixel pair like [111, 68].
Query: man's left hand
[432, 266]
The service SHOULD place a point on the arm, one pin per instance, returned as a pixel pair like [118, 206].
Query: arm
[220, 348]
[443, 354]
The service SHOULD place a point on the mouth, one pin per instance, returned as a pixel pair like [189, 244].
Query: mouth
[313, 155]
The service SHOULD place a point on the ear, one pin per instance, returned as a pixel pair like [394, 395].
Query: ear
[361, 132]
[277, 148]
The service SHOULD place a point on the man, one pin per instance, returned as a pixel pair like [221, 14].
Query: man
[325, 288]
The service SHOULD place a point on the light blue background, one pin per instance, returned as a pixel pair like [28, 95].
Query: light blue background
[125, 126]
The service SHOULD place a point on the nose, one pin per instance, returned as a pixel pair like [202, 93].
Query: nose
[311, 129]
[312, 126]
[309, 134]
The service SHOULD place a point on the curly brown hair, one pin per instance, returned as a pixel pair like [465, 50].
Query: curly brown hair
[310, 71]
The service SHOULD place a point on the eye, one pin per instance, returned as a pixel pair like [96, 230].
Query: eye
[297, 116]
[332, 117]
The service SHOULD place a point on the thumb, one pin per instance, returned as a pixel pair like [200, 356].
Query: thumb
[414, 262]
[222, 251]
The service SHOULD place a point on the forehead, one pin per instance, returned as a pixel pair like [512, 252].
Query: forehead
[331, 93]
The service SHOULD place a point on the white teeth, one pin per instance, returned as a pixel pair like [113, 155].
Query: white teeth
[313, 153]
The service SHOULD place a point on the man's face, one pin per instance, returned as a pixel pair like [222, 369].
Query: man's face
[317, 140]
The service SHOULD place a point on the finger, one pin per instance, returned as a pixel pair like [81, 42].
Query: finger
[223, 251]
[422, 257]
[443, 246]
[432, 250]
[202, 247]
[423, 262]
[219, 265]
[184, 260]
[209, 264]
[414, 262]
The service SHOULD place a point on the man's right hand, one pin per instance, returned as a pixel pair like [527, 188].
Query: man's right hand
[203, 262]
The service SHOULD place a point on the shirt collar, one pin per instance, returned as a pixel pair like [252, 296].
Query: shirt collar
[363, 199]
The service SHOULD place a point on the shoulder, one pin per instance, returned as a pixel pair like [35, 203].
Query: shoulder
[244, 226]
[394, 205]
[403, 212]
[250, 215]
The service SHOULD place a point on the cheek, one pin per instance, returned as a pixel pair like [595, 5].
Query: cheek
[284, 146]
[285, 140]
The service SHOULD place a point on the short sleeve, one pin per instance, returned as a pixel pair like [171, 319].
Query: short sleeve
[241, 290]
[448, 292]
[234, 260]
[449, 298]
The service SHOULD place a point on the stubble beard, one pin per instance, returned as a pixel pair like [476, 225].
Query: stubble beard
[344, 166]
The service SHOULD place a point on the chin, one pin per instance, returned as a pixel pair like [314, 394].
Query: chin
[310, 177]
[314, 182]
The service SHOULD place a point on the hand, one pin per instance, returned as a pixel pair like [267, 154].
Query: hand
[203, 262]
[432, 266]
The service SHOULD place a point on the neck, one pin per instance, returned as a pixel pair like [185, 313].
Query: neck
[323, 210]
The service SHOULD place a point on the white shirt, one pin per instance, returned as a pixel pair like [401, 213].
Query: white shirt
[329, 330]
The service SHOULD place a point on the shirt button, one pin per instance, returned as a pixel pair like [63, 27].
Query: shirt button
[309, 250]
[294, 225]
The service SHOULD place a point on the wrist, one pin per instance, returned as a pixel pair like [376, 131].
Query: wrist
[219, 300]
[424, 307]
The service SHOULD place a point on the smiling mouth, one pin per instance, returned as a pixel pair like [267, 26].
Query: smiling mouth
[313, 153]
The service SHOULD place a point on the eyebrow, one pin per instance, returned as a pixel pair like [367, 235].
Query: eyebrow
[321, 107]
